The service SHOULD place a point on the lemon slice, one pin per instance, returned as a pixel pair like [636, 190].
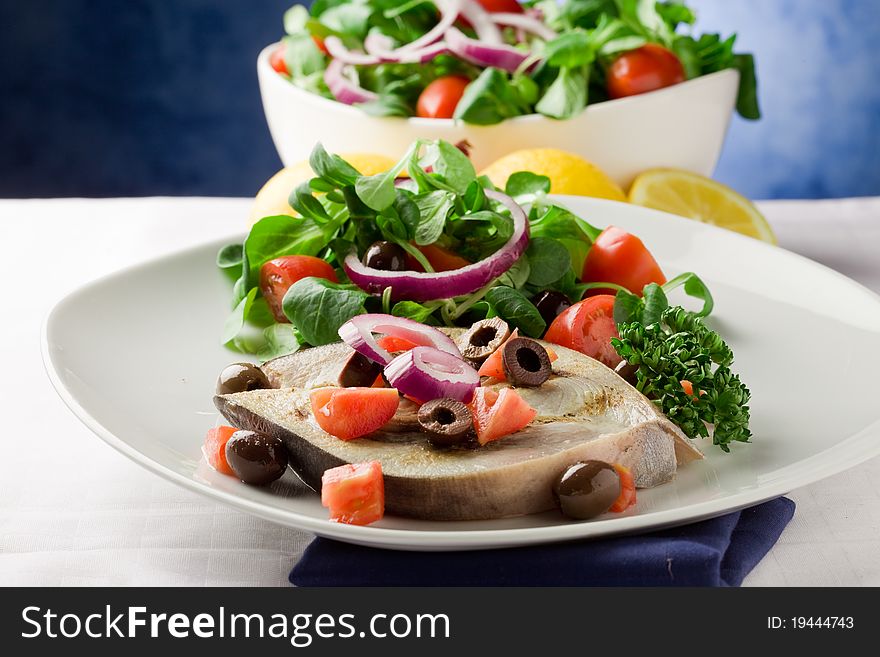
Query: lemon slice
[272, 197]
[568, 173]
[703, 199]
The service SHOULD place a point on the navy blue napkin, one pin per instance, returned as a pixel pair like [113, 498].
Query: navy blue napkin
[716, 552]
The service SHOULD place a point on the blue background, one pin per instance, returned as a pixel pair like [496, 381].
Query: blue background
[139, 97]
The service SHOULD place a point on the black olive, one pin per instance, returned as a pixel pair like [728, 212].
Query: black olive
[587, 489]
[359, 372]
[240, 377]
[482, 339]
[255, 457]
[551, 304]
[446, 421]
[385, 255]
[627, 372]
[525, 362]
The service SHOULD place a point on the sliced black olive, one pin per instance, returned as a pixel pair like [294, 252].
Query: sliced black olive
[255, 457]
[385, 255]
[551, 304]
[627, 372]
[482, 339]
[240, 377]
[587, 489]
[359, 372]
[525, 362]
[446, 421]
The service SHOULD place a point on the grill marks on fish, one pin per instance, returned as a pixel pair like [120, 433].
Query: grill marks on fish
[585, 411]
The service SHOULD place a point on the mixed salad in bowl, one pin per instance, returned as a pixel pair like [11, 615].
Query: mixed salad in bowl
[484, 61]
[489, 351]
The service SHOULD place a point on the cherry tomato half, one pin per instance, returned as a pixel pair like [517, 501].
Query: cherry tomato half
[619, 257]
[644, 69]
[440, 97]
[277, 275]
[588, 327]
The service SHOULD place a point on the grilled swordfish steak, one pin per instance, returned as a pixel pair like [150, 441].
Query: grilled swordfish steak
[585, 411]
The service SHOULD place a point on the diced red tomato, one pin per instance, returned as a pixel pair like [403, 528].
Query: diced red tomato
[215, 448]
[440, 98]
[619, 257]
[350, 413]
[644, 69]
[627, 497]
[393, 343]
[689, 389]
[277, 275]
[276, 61]
[588, 327]
[493, 366]
[498, 414]
[354, 493]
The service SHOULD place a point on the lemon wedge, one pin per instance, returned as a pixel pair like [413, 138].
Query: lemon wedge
[696, 197]
[272, 197]
[568, 173]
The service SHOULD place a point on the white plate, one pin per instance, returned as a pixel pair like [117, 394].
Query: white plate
[136, 355]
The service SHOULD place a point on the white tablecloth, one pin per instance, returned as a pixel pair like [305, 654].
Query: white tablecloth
[75, 512]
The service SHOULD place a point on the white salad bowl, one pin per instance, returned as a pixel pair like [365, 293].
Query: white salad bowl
[682, 126]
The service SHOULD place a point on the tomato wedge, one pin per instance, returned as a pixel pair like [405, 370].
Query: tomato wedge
[619, 257]
[214, 448]
[627, 497]
[493, 366]
[354, 493]
[320, 43]
[350, 413]
[498, 414]
[588, 327]
[277, 62]
[277, 275]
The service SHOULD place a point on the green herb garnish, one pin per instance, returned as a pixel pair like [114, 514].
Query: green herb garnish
[679, 347]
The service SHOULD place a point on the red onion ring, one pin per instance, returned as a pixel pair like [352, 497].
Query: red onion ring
[379, 46]
[477, 52]
[343, 89]
[482, 23]
[422, 286]
[339, 52]
[449, 11]
[358, 334]
[423, 54]
[425, 373]
[526, 23]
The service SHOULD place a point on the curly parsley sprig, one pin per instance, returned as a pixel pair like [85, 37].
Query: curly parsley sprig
[680, 347]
